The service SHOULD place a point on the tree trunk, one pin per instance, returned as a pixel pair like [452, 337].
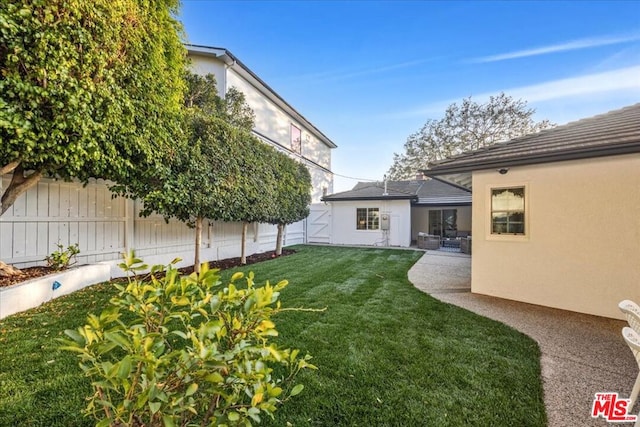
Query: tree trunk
[196, 260]
[243, 255]
[19, 184]
[7, 270]
[279, 239]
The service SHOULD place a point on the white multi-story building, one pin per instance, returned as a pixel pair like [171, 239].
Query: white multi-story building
[277, 122]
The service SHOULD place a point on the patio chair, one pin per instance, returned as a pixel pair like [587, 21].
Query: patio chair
[633, 341]
[428, 241]
[632, 311]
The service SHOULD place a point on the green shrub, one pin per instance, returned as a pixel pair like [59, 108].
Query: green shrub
[178, 351]
[61, 259]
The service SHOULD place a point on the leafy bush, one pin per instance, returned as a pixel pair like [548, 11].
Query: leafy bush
[61, 259]
[179, 351]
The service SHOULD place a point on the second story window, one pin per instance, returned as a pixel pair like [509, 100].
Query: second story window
[296, 139]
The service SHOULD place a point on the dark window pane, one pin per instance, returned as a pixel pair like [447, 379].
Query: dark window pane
[516, 217]
[499, 228]
[374, 220]
[516, 228]
[361, 219]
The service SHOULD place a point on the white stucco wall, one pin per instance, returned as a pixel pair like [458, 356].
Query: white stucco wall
[582, 248]
[344, 232]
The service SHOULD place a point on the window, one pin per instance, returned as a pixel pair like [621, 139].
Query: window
[367, 219]
[508, 210]
[296, 139]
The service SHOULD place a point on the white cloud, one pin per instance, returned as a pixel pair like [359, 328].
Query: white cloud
[562, 47]
[623, 81]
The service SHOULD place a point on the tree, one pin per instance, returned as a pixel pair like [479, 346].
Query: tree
[257, 186]
[251, 172]
[88, 88]
[232, 108]
[206, 174]
[465, 127]
[293, 196]
[200, 181]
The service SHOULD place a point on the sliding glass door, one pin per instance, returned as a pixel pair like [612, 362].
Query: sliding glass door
[443, 222]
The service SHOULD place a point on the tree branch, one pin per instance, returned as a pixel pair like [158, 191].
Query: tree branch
[8, 168]
[19, 184]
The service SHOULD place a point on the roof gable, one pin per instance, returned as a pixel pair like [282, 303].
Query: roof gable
[244, 71]
[612, 133]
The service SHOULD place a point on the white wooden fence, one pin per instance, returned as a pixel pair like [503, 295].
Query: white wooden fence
[57, 212]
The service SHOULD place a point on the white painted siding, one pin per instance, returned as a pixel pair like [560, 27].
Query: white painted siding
[344, 230]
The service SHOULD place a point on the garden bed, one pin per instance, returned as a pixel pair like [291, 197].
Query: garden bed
[41, 284]
[33, 292]
[31, 273]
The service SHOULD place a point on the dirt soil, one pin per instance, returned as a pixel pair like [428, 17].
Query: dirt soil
[223, 264]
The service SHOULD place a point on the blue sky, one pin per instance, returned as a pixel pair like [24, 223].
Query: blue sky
[368, 74]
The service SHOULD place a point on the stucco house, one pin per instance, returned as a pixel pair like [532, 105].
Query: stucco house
[393, 213]
[556, 214]
[104, 227]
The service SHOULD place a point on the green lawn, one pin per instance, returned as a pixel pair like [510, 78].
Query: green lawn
[388, 355]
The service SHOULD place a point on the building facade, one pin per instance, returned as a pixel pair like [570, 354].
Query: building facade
[556, 215]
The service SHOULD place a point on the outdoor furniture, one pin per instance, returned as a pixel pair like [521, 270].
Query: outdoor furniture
[428, 241]
[632, 311]
[465, 245]
[633, 341]
[450, 243]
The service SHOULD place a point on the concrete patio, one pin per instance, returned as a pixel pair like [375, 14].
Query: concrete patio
[581, 354]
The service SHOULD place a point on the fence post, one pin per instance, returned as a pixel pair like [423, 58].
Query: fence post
[129, 225]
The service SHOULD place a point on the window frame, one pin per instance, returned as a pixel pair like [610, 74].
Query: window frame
[296, 144]
[513, 237]
[369, 219]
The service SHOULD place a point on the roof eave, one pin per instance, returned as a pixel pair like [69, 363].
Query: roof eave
[454, 204]
[372, 198]
[627, 148]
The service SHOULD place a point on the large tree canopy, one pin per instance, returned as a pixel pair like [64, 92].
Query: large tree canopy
[216, 172]
[88, 88]
[465, 127]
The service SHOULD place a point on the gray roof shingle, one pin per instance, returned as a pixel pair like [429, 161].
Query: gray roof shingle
[419, 192]
[612, 133]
